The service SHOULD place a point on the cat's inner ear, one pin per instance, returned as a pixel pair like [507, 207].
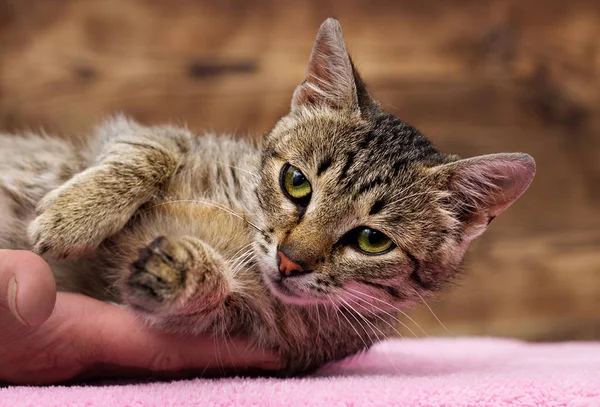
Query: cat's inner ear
[483, 187]
[330, 75]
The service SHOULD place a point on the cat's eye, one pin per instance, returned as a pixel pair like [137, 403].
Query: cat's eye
[372, 241]
[295, 184]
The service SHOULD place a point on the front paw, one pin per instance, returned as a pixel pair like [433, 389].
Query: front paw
[79, 215]
[175, 275]
[67, 224]
[158, 275]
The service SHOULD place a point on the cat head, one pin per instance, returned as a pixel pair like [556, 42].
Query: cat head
[355, 202]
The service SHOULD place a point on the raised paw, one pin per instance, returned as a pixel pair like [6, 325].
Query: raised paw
[174, 275]
[78, 216]
[158, 275]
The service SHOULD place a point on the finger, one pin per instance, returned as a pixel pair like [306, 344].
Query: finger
[113, 335]
[86, 338]
[27, 286]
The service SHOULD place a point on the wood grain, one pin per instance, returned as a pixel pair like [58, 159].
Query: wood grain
[476, 77]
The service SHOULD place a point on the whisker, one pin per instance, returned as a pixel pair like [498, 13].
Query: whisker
[430, 310]
[394, 307]
[404, 198]
[243, 264]
[337, 310]
[232, 261]
[238, 168]
[238, 251]
[353, 327]
[225, 332]
[318, 318]
[389, 315]
[241, 259]
[391, 360]
[247, 260]
[390, 305]
[369, 323]
[350, 309]
[219, 359]
[376, 315]
[68, 98]
[239, 268]
[223, 208]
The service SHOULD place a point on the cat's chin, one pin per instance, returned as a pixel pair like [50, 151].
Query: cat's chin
[286, 294]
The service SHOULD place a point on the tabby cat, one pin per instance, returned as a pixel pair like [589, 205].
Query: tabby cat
[306, 244]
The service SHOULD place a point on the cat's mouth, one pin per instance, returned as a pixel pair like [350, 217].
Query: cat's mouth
[282, 289]
[291, 290]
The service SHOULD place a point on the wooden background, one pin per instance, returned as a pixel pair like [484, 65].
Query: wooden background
[476, 77]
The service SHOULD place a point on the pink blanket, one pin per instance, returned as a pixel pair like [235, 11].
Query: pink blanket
[429, 372]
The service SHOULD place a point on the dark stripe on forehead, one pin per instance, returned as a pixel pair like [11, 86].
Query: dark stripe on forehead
[349, 161]
[325, 164]
[398, 165]
[364, 143]
[372, 184]
[377, 206]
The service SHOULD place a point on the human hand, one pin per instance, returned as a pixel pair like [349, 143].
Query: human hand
[86, 338]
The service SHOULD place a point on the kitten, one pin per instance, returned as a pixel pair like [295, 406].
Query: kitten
[308, 244]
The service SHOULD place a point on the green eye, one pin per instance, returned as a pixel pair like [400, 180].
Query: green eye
[295, 184]
[373, 241]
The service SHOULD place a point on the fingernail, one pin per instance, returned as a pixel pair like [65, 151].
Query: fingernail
[12, 299]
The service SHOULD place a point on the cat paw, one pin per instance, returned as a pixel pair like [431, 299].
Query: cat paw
[75, 218]
[63, 227]
[158, 275]
[174, 275]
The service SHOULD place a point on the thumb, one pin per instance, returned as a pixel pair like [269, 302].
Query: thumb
[27, 286]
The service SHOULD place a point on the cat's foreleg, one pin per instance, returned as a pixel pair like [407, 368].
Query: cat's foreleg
[134, 165]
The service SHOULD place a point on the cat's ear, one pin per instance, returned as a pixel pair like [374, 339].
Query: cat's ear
[483, 187]
[330, 75]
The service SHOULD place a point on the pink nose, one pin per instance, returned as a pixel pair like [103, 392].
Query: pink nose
[287, 267]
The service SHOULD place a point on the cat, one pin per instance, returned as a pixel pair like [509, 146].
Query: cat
[308, 244]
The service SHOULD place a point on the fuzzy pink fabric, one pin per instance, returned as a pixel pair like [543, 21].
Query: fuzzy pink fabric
[429, 372]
